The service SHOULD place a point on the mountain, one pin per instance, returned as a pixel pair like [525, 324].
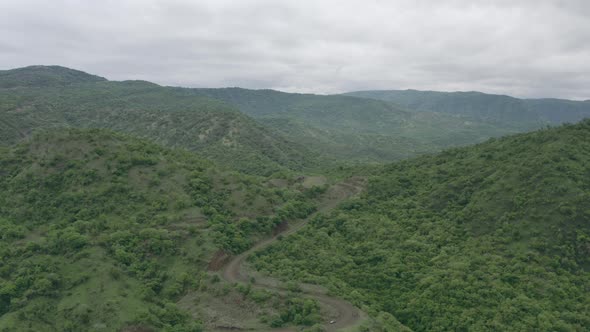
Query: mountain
[494, 236]
[255, 131]
[559, 110]
[499, 109]
[355, 129]
[128, 206]
[44, 76]
[100, 231]
[172, 116]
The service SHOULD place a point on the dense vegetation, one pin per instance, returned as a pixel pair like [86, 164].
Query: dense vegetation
[490, 237]
[355, 129]
[44, 76]
[102, 231]
[291, 132]
[171, 116]
[99, 230]
[508, 112]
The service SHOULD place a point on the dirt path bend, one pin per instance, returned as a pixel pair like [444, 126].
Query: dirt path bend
[344, 314]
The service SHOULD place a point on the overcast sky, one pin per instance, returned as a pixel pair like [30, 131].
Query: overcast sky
[528, 48]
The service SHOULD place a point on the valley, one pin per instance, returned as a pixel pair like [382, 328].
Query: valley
[130, 206]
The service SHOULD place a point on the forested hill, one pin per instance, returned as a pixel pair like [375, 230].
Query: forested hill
[490, 237]
[507, 111]
[100, 231]
[44, 76]
[172, 116]
[355, 129]
[291, 132]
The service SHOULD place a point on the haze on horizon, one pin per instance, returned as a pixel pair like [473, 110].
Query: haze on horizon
[522, 48]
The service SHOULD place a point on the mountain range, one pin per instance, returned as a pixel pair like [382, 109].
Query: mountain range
[129, 206]
[266, 131]
[521, 114]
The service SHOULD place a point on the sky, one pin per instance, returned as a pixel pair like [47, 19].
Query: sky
[523, 48]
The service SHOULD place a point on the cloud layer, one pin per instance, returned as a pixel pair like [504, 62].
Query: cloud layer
[524, 48]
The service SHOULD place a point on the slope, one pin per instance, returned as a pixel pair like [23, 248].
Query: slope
[100, 231]
[350, 128]
[43, 76]
[171, 116]
[508, 111]
[490, 237]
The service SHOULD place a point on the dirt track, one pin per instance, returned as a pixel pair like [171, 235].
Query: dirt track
[344, 314]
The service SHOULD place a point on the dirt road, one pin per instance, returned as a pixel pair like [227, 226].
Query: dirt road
[343, 314]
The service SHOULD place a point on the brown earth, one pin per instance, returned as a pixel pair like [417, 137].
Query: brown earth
[218, 260]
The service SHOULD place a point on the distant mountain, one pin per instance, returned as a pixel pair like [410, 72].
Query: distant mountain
[265, 131]
[357, 129]
[44, 76]
[494, 236]
[559, 110]
[498, 109]
[172, 116]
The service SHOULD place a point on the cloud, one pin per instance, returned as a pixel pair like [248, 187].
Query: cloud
[523, 48]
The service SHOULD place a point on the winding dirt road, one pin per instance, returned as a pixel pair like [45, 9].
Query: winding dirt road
[343, 314]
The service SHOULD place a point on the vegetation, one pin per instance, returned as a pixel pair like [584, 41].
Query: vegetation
[291, 132]
[505, 111]
[170, 116]
[44, 76]
[300, 312]
[489, 237]
[355, 129]
[100, 230]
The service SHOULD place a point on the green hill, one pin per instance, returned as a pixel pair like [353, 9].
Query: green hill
[44, 76]
[100, 231]
[171, 116]
[291, 132]
[559, 110]
[490, 237]
[120, 202]
[503, 110]
[357, 129]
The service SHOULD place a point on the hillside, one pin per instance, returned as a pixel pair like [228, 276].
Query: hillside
[504, 110]
[128, 206]
[355, 129]
[171, 116]
[490, 237]
[44, 76]
[292, 131]
[102, 232]
[559, 110]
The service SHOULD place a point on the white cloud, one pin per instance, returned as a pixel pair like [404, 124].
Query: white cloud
[523, 48]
